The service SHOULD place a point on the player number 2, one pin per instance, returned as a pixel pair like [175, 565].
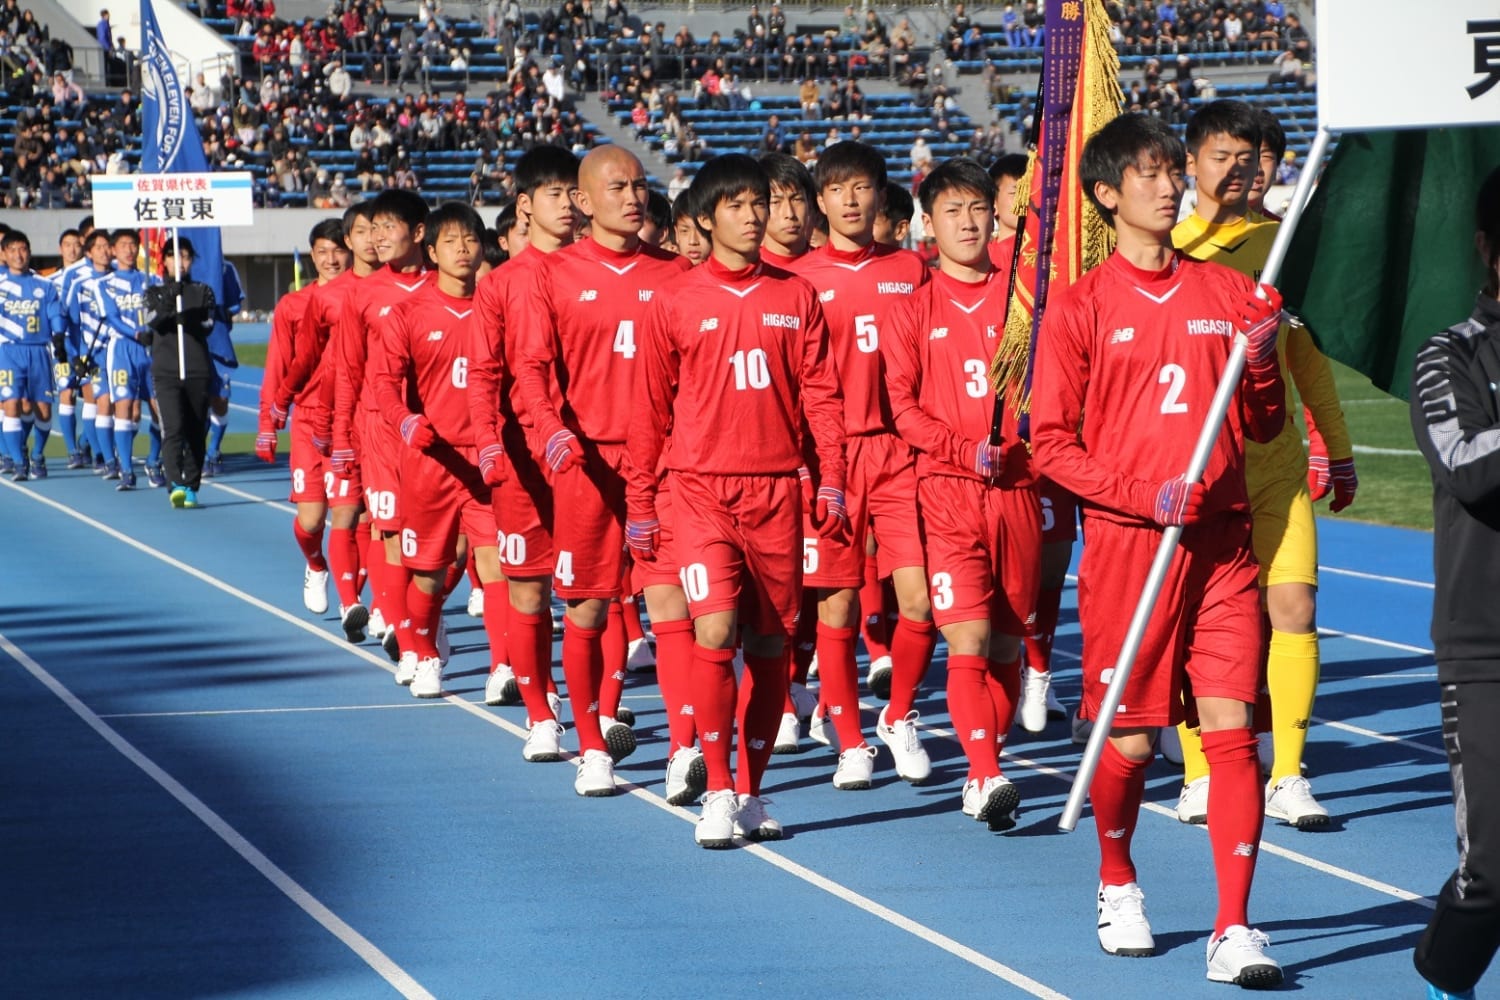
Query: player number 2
[978, 385]
[866, 336]
[809, 555]
[625, 339]
[694, 578]
[563, 572]
[751, 369]
[942, 591]
[460, 373]
[1174, 378]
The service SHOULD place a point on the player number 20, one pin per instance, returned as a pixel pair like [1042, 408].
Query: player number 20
[512, 549]
[694, 578]
[1174, 378]
[866, 335]
[752, 370]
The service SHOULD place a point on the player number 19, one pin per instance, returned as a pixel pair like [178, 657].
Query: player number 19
[1174, 378]
[751, 369]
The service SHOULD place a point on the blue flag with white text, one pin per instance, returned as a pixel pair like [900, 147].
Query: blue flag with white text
[171, 145]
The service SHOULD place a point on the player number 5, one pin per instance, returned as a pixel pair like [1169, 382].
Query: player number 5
[809, 555]
[1174, 378]
[866, 336]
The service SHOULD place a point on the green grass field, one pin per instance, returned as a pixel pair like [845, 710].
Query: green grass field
[251, 354]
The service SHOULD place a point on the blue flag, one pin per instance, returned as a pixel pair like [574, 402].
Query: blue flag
[171, 145]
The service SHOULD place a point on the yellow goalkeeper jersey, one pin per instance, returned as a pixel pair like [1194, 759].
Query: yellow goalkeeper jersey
[1244, 245]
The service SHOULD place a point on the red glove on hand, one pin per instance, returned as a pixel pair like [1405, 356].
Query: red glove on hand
[643, 536]
[563, 451]
[278, 417]
[492, 464]
[1345, 482]
[342, 461]
[830, 514]
[1318, 481]
[265, 446]
[1178, 502]
[320, 444]
[1260, 321]
[417, 432]
[804, 482]
[989, 461]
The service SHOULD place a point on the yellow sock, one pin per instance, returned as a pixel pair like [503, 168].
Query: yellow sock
[1194, 763]
[1292, 676]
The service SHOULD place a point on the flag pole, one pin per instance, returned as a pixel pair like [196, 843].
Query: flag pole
[177, 266]
[1167, 548]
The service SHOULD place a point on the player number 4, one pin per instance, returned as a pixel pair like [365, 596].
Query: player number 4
[1174, 378]
[563, 572]
[751, 369]
[625, 339]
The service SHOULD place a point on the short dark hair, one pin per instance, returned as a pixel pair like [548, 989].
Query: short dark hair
[724, 177]
[899, 206]
[183, 244]
[789, 172]
[66, 233]
[452, 213]
[331, 230]
[1009, 165]
[86, 224]
[14, 236]
[957, 174]
[405, 205]
[94, 237]
[1125, 142]
[850, 158]
[120, 234]
[659, 209]
[545, 165]
[1235, 119]
[1271, 132]
[363, 210]
[494, 256]
[682, 207]
[505, 219]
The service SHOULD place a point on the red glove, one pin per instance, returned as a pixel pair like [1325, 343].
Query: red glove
[804, 482]
[417, 432]
[1345, 482]
[492, 464]
[265, 446]
[278, 417]
[643, 536]
[830, 514]
[564, 452]
[1179, 502]
[1260, 321]
[342, 461]
[989, 461]
[1318, 481]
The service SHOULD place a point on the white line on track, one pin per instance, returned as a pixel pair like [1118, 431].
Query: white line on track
[1378, 578]
[355, 941]
[270, 711]
[918, 930]
[263, 501]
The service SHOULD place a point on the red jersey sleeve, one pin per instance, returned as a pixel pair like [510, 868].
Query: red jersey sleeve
[822, 399]
[277, 353]
[310, 336]
[486, 360]
[534, 333]
[348, 375]
[656, 370]
[902, 350]
[390, 376]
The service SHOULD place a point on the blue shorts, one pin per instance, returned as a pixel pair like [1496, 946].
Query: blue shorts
[26, 372]
[221, 385]
[100, 379]
[62, 376]
[129, 370]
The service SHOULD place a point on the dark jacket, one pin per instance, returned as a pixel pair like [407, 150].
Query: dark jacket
[1455, 414]
[197, 320]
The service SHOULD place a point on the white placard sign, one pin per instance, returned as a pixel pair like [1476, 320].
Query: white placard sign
[183, 201]
[1385, 64]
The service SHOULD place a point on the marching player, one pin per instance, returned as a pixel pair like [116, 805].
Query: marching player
[85, 317]
[1129, 359]
[981, 517]
[735, 359]
[793, 209]
[70, 250]
[31, 338]
[121, 293]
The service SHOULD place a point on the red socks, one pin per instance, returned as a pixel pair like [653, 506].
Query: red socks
[1117, 789]
[674, 674]
[583, 668]
[530, 641]
[839, 679]
[759, 718]
[1039, 644]
[343, 560]
[630, 613]
[425, 609]
[454, 577]
[805, 642]
[1004, 682]
[496, 608]
[911, 654]
[973, 714]
[311, 544]
[872, 601]
[713, 692]
[612, 684]
[1235, 813]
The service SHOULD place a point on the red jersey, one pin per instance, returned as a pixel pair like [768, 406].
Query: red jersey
[1133, 358]
[425, 365]
[280, 350]
[857, 291]
[1000, 252]
[735, 361]
[772, 259]
[360, 347]
[575, 324]
[309, 372]
[938, 346]
[492, 355]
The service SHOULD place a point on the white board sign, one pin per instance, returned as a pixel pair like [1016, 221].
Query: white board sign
[1385, 64]
[184, 201]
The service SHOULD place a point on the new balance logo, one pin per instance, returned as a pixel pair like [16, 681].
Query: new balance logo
[826, 296]
[1122, 335]
[1244, 850]
[757, 744]
[708, 324]
[978, 735]
[385, 310]
[938, 333]
[712, 737]
[435, 335]
[588, 295]
[1115, 834]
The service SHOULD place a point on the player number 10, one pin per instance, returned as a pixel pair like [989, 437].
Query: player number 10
[751, 369]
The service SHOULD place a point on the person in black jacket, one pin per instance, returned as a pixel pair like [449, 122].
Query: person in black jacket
[1455, 414]
[184, 380]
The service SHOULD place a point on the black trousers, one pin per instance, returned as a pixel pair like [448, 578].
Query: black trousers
[1464, 932]
[184, 420]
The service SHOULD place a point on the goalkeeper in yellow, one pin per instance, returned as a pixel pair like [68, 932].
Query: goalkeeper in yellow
[1225, 140]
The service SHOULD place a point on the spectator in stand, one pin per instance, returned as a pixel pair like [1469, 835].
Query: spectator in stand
[772, 140]
[104, 33]
[755, 23]
[679, 183]
[1012, 27]
[67, 96]
[1287, 171]
[921, 154]
[1234, 30]
[849, 27]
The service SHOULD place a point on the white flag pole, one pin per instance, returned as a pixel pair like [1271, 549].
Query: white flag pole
[177, 266]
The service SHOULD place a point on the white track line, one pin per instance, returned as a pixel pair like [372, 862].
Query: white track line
[352, 939]
[1378, 578]
[424, 703]
[918, 930]
[263, 501]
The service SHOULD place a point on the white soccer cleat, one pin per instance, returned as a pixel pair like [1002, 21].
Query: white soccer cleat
[352, 620]
[751, 820]
[804, 702]
[1192, 802]
[444, 647]
[1035, 686]
[715, 829]
[475, 607]
[687, 776]
[879, 678]
[315, 590]
[1239, 956]
[1170, 744]
[596, 775]
[1291, 801]
[789, 735]
[428, 680]
[378, 627]
[912, 762]
[1123, 927]
[820, 730]
[856, 769]
[993, 803]
[619, 737]
[500, 687]
[640, 658]
[543, 743]
[406, 669]
[1055, 709]
[812, 667]
[554, 702]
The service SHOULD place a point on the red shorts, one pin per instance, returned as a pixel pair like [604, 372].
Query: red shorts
[1204, 637]
[1059, 513]
[353, 484]
[665, 570]
[380, 451]
[523, 512]
[740, 533]
[881, 495]
[984, 550]
[589, 525]
[442, 495]
[313, 480]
